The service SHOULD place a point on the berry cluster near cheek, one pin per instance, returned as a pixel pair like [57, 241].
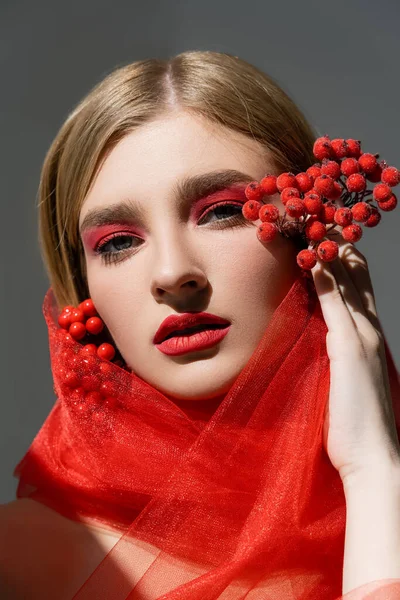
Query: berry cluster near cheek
[331, 192]
[83, 324]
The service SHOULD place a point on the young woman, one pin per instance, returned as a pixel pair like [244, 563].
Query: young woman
[254, 456]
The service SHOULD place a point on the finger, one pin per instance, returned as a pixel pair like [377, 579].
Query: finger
[356, 266]
[359, 295]
[335, 310]
[352, 298]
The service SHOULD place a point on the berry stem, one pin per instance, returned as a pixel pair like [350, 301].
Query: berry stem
[332, 227]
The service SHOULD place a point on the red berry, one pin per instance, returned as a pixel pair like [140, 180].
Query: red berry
[304, 182]
[74, 362]
[361, 211]
[288, 193]
[314, 171]
[88, 362]
[367, 162]
[93, 398]
[71, 379]
[90, 349]
[107, 388]
[307, 259]
[354, 147]
[352, 233]
[269, 213]
[64, 320]
[349, 166]
[324, 184]
[381, 192]
[390, 176]
[328, 250]
[106, 351]
[343, 216]
[374, 219]
[77, 314]
[89, 383]
[105, 368]
[312, 219]
[331, 168]
[356, 183]
[109, 403]
[322, 148]
[312, 202]
[250, 210]
[81, 407]
[375, 175]
[266, 232]
[63, 335]
[327, 214]
[254, 191]
[389, 204]
[285, 180]
[88, 308]
[316, 231]
[336, 192]
[268, 185]
[77, 330]
[340, 148]
[94, 325]
[78, 393]
[295, 207]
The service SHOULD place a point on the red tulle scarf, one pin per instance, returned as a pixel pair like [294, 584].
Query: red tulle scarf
[231, 500]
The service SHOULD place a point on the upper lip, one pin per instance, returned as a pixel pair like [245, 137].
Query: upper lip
[185, 320]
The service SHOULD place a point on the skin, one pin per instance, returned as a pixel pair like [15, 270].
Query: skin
[179, 265]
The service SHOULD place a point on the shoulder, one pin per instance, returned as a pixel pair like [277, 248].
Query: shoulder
[38, 542]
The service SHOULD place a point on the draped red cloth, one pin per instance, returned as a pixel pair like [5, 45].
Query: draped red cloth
[231, 499]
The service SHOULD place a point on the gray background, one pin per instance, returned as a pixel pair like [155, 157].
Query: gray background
[339, 61]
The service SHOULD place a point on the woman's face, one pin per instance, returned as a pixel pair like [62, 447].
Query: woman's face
[173, 258]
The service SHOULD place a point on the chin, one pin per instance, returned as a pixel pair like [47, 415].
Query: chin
[196, 393]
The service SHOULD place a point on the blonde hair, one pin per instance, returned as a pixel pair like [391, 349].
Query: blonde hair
[218, 86]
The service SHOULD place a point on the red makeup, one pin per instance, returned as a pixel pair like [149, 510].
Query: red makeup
[93, 236]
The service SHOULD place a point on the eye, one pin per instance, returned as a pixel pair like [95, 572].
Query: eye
[227, 212]
[116, 247]
[121, 242]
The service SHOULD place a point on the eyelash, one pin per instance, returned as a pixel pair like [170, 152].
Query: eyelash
[108, 257]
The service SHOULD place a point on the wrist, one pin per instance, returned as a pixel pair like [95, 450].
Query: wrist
[382, 474]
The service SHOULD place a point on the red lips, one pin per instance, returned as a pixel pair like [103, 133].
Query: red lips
[184, 321]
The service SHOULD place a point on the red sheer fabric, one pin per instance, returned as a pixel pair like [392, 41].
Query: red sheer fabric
[228, 500]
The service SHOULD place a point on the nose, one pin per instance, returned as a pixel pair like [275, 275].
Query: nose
[174, 271]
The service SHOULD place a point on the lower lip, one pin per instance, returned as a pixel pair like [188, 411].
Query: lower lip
[201, 340]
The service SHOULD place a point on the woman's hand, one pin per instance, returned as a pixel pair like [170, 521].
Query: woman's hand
[359, 432]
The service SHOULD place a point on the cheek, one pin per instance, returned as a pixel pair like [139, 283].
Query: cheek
[256, 272]
[117, 297]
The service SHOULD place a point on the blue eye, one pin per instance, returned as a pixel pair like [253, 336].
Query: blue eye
[122, 242]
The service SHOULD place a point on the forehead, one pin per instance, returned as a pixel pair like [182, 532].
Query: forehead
[158, 153]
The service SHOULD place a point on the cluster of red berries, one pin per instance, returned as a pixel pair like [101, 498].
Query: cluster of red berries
[83, 321]
[92, 390]
[309, 197]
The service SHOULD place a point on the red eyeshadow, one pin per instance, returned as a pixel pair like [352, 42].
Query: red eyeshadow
[92, 237]
[233, 193]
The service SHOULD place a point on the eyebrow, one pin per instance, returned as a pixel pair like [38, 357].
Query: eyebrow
[187, 190]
